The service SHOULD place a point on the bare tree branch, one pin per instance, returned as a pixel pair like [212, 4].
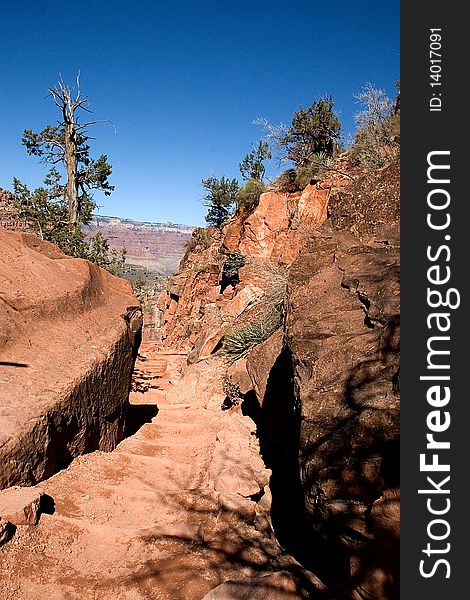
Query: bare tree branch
[67, 143]
[97, 121]
[78, 85]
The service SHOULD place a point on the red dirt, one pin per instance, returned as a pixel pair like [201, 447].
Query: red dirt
[157, 518]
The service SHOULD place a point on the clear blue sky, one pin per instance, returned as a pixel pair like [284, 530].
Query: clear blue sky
[182, 81]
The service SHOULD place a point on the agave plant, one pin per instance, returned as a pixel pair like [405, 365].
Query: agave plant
[237, 344]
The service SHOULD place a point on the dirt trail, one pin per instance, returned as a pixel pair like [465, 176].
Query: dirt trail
[176, 509]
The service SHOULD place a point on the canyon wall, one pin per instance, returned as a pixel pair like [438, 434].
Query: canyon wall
[156, 247]
[69, 334]
[327, 380]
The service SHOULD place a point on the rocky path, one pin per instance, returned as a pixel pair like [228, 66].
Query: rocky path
[178, 508]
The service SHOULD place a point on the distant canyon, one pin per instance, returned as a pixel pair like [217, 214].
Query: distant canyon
[154, 247]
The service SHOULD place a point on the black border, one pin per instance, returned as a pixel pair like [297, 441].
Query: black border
[423, 131]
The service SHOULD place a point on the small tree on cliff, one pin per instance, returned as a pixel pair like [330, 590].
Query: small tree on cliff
[252, 169]
[252, 166]
[58, 209]
[314, 130]
[377, 137]
[219, 198]
[66, 144]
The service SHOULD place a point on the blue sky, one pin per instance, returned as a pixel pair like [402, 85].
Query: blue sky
[182, 81]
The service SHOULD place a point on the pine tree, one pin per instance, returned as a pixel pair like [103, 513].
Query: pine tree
[219, 198]
[313, 130]
[58, 209]
[252, 166]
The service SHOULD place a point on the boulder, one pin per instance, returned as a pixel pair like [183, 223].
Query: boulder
[236, 467]
[206, 344]
[311, 207]
[69, 334]
[243, 300]
[21, 505]
[261, 360]
[267, 225]
[238, 375]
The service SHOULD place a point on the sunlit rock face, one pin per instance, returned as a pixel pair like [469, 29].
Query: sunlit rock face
[69, 333]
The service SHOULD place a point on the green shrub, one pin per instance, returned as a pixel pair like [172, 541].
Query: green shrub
[252, 166]
[313, 129]
[219, 198]
[237, 344]
[315, 168]
[250, 193]
[233, 395]
[275, 280]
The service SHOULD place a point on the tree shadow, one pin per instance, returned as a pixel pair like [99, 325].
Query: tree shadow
[214, 544]
[350, 458]
[12, 364]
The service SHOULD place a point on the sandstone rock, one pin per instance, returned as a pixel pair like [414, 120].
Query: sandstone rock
[266, 500]
[236, 503]
[261, 360]
[205, 345]
[238, 375]
[232, 234]
[277, 586]
[274, 231]
[270, 220]
[342, 336]
[376, 570]
[21, 505]
[311, 207]
[69, 333]
[176, 285]
[234, 477]
[236, 467]
[369, 204]
[385, 516]
[162, 300]
[246, 297]
[173, 306]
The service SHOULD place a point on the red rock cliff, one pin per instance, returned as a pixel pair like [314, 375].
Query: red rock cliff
[328, 379]
[69, 333]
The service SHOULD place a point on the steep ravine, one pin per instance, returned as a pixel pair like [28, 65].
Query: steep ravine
[327, 381]
[178, 509]
[274, 478]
